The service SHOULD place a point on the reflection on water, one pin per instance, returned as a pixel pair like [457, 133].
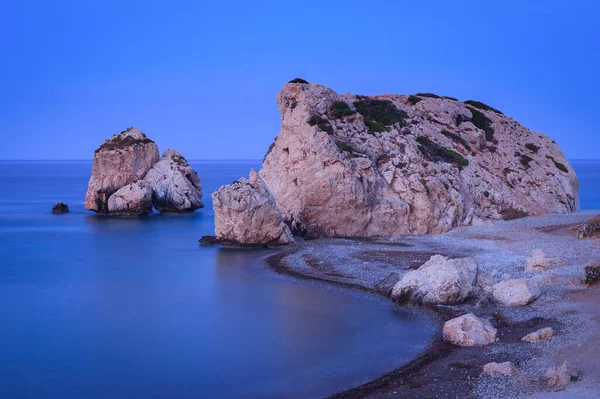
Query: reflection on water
[100, 307]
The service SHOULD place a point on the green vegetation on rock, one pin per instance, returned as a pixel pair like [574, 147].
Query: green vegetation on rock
[480, 105]
[322, 124]
[430, 95]
[560, 166]
[412, 100]
[455, 137]
[436, 153]
[379, 114]
[298, 80]
[340, 109]
[532, 147]
[482, 122]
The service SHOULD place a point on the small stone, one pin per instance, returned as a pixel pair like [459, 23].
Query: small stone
[500, 369]
[540, 261]
[559, 377]
[516, 292]
[539, 335]
[469, 330]
[60, 208]
[592, 273]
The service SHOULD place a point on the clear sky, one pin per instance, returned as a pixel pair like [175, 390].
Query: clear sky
[202, 76]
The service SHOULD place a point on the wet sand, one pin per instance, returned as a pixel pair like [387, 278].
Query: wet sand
[500, 249]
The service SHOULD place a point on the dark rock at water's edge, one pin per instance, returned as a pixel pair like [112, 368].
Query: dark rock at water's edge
[60, 208]
[386, 285]
[207, 241]
[592, 274]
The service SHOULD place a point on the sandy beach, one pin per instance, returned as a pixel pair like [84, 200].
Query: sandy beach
[500, 250]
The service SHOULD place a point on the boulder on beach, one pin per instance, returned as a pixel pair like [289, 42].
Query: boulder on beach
[540, 335]
[122, 159]
[560, 377]
[499, 369]
[372, 166]
[516, 292]
[175, 185]
[60, 208]
[469, 330]
[440, 280]
[246, 215]
[540, 261]
[134, 199]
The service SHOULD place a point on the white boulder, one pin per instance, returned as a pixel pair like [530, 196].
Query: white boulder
[469, 330]
[500, 369]
[516, 292]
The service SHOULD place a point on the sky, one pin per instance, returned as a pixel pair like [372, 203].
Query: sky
[202, 76]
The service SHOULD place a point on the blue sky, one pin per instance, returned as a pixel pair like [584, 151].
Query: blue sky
[202, 76]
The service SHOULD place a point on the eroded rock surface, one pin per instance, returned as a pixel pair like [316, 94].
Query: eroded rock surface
[122, 159]
[246, 214]
[358, 166]
[469, 330]
[176, 186]
[516, 292]
[132, 200]
[440, 280]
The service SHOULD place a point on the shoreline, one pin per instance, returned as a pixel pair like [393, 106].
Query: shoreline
[442, 369]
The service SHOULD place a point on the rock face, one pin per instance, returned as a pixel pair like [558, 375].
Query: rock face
[60, 208]
[540, 335]
[469, 330]
[559, 377]
[516, 292]
[246, 214]
[176, 186]
[440, 280]
[540, 261]
[499, 369]
[122, 159]
[358, 166]
[132, 200]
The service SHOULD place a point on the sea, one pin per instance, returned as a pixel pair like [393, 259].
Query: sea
[100, 307]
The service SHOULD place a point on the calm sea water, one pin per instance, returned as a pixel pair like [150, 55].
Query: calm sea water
[98, 307]
[588, 172]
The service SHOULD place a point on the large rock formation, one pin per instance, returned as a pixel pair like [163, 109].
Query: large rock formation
[246, 214]
[122, 159]
[348, 165]
[440, 280]
[128, 178]
[175, 185]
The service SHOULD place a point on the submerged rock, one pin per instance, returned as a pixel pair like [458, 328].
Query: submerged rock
[176, 186]
[246, 214]
[469, 330]
[134, 199]
[371, 166]
[207, 241]
[540, 261]
[500, 369]
[516, 292]
[440, 280]
[60, 208]
[540, 335]
[122, 159]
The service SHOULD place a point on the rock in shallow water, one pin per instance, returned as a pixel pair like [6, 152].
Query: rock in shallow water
[246, 214]
[440, 280]
[60, 208]
[176, 186]
[469, 330]
[122, 159]
[134, 199]
[516, 292]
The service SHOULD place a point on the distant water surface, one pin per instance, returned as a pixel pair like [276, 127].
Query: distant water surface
[588, 172]
[96, 307]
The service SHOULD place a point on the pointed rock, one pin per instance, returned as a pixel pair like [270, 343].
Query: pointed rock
[175, 184]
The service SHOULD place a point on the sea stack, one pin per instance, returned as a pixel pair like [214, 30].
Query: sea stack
[371, 166]
[128, 178]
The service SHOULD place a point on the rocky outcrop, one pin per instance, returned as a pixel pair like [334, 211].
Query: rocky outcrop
[60, 208]
[540, 335]
[540, 261]
[246, 214]
[134, 199]
[440, 280]
[175, 185]
[368, 166]
[499, 369]
[469, 330]
[122, 159]
[127, 169]
[516, 292]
